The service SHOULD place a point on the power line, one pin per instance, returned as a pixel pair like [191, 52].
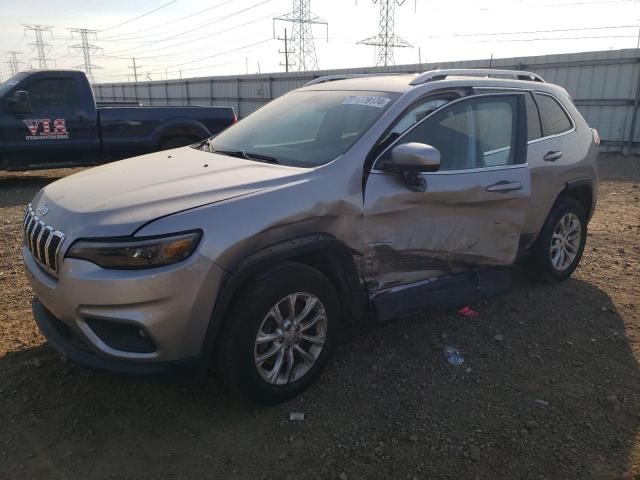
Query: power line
[303, 49]
[193, 39]
[386, 39]
[164, 24]
[216, 55]
[526, 32]
[40, 46]
[87, 49]
[561, 38]
[206, 24]
[139, 16]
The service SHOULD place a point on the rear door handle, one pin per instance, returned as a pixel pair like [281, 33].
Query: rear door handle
[504, 187]
[552, 156]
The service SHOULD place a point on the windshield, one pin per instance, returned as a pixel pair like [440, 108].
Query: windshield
[10, 83]
[303, 129]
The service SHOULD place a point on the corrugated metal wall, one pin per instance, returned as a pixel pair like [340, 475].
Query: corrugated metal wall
[604, 85]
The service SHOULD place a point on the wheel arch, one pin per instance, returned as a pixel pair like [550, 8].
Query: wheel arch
[321, 251]
[582, 190]
[181, 127]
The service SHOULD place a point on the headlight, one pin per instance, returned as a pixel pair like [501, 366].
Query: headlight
[136, 252]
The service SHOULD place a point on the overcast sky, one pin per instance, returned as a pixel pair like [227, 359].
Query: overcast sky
[235, 36]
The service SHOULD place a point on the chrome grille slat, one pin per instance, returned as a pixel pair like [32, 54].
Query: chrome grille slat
[40, 239]
[46, 245]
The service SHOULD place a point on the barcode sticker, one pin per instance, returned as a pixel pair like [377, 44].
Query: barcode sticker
[377, 102]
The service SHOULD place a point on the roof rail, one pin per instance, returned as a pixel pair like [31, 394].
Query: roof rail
[331, 78]
[433, 75]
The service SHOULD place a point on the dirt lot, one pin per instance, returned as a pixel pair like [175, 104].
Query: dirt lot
[550, 386]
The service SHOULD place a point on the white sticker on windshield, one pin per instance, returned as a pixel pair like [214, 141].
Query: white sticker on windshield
[377, 102]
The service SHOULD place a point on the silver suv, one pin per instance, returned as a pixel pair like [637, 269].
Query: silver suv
[350, 198]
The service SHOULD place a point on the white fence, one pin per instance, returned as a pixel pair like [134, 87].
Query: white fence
[605, 86]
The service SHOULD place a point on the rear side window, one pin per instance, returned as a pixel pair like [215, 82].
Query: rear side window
[534, 129]
[554, 118]
[51, 93]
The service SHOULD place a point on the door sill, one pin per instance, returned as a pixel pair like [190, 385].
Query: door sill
[456, 290]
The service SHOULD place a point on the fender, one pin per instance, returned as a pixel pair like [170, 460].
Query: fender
[182, 126]
[263, 259]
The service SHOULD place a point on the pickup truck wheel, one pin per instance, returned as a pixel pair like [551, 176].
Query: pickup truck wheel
[280, 334]
[175, 142]
[558, 249]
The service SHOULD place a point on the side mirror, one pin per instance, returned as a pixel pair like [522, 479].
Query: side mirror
[20, 102]
[413, 158]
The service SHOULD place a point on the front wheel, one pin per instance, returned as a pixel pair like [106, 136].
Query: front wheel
[280, 334]
[558, 249]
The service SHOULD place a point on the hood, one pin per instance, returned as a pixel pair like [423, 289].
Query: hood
[117, 198]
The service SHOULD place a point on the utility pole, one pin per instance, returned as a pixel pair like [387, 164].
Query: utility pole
[303, 49]
[135, 69]
[286, 52]
[14, 63]
[386, 39]
[40, 46]
[87, 49]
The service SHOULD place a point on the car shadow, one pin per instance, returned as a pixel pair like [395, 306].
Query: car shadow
[549, 389]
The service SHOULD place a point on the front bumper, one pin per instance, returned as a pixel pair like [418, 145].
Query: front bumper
[64, 340]
[172, 305]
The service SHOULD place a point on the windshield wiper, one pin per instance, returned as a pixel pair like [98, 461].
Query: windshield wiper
[247, 155]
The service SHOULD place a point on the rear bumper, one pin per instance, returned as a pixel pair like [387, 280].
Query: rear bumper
[72, 347]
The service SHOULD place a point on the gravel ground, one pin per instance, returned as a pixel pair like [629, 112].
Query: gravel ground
[550, 386]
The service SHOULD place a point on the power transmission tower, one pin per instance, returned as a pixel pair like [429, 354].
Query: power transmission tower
[303, 49]
[286, 52]
[14, 63]
[40, 46]
[136, 68]
[386, 39]
[87, 49]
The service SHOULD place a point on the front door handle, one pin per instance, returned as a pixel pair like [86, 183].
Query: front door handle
[552, 156]
[504, 187]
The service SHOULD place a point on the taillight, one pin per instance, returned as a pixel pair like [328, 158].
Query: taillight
[596, 136]
[235, 118]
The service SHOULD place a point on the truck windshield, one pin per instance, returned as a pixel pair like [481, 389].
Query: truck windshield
[303, 129]
[9, 83]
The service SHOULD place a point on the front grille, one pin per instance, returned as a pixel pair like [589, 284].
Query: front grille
[43, 241]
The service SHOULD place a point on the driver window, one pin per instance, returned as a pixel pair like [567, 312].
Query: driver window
[417, 113]
[473, 133]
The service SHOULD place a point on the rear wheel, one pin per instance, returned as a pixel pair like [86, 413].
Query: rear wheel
[280, 334]
[558, 249]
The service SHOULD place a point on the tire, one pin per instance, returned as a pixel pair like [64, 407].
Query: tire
[175, 142]
[551, 266]
[254, 313]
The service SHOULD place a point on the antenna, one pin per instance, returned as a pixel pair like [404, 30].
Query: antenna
[303, 49]
[386, 40]
[87, 49]
[40, 46]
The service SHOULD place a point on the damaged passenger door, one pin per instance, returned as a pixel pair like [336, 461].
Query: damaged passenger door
[422, 226]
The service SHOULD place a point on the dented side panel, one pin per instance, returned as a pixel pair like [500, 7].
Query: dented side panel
[453, 226]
